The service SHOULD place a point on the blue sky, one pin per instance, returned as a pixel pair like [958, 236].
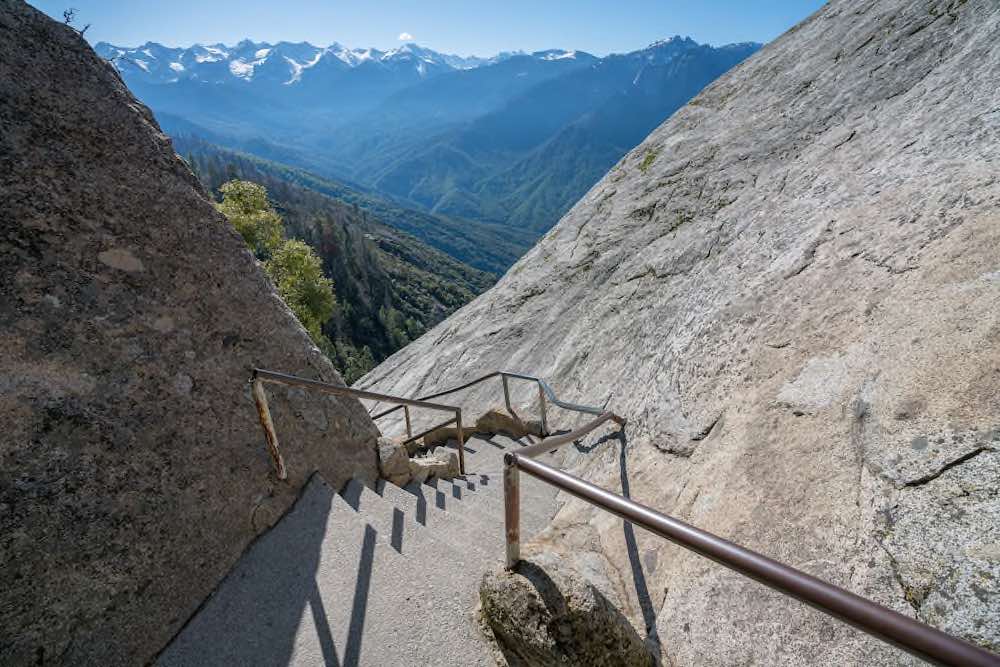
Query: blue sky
[455, 26]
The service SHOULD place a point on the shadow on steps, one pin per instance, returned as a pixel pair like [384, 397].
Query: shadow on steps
[269, 610]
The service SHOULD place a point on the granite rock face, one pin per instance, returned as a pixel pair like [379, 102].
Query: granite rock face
[559, 609]
[133, 470]
[791, 289]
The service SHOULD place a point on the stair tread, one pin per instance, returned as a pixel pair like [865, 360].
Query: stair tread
[341, 578]
[446, 531]
[484, 452]
[537, 498]
[323, 563]
[484, 502]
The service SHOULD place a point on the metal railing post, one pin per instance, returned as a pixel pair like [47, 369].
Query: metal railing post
[409, 425]
[461, 441]
[506, 395]
[512, 510]
[541, 409]
[260, 398]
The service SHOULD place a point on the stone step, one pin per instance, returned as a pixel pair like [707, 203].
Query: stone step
[446, 531]
[460, 488]
[538, 504]
[485, 453]
[382, 519]
[481, 496]
[368, 576]
[423, 503]
[447, 514]
[322, 587]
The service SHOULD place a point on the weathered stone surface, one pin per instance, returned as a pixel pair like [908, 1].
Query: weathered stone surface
[797, 307]
[393, 461]
[559, 610]
[440, 463]
[493, 420]
[133, 471]
[440, 436]
[500, 421]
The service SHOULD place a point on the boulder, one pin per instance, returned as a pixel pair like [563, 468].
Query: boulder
[441, 463]
[559, 610]
[393, 461]
[500, 421]
[493, 420]
[444, 435]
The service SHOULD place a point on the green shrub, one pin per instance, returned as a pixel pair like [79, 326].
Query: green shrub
[245, 205]
[298, 274]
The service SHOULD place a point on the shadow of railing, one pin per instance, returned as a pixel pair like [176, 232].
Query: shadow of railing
[645, 600]
[255, 616]
[632, 547]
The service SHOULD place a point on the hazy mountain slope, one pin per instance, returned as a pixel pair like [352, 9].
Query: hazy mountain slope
[453, 97]
[525, 163]
[390, 287]
[489, 248]
[133, 470]
[791, 290]
[543, 185]
[510, 140]
[290, 91]
[282, 87]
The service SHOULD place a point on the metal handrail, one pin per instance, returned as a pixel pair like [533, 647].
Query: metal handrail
[259, 376]
[544, 391]
[549, 444]
[544, 386]
[919, 639]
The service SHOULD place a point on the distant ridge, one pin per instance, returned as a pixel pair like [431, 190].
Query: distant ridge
[204, 62]
[508, 141]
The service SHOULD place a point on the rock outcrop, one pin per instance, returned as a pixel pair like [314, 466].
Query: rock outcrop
[442, 463]
[393, 461]
[133, 470]
[559, 609]
[792, 291]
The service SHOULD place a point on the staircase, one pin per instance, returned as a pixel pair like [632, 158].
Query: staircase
[384, 576]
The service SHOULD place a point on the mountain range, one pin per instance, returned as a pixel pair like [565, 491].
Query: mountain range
[291, 63]
[493, 145]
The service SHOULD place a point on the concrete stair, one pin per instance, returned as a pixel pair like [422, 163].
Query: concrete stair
[383, 576]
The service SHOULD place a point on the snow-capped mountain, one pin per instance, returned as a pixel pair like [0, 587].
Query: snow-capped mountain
[284, 63]
[510, 140]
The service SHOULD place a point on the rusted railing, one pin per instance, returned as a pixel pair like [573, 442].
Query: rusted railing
[921, 640]
[259, 376]
[544, 392]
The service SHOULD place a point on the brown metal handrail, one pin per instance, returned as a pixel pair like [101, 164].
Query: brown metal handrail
[544, 392]
[548, 444]
[259, 376]
[919, 639]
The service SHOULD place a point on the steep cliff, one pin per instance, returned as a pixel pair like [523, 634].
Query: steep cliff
[133, 471]
[792, 290]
